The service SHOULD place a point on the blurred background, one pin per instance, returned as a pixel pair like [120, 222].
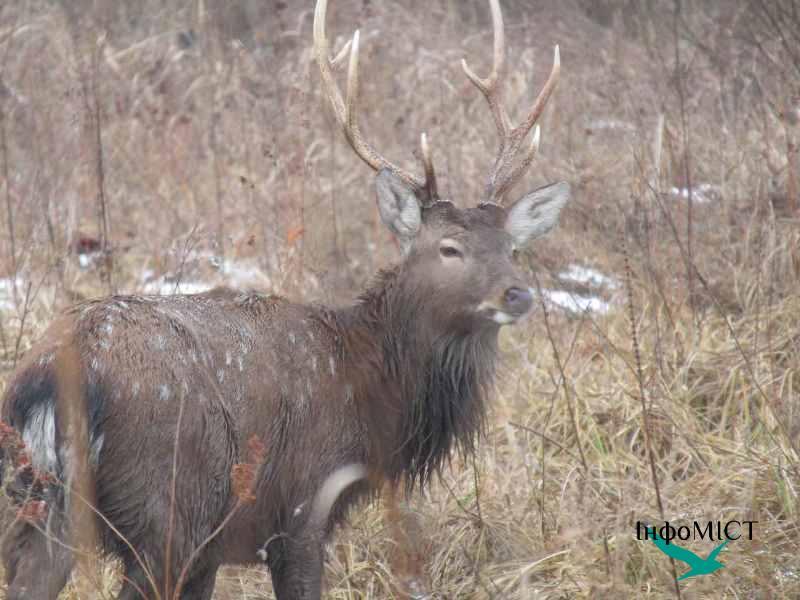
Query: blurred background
[174, 145]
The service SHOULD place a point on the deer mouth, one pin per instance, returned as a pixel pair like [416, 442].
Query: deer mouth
[512, 306]
[498, 315]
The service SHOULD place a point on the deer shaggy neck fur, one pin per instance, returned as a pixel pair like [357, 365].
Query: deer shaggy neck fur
[439, 368]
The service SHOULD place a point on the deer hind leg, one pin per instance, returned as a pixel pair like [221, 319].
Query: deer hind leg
[37, 565]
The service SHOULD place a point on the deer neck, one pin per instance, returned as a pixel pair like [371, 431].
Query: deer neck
[422, 384]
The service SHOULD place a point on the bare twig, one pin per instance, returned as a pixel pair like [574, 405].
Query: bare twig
[646, 425]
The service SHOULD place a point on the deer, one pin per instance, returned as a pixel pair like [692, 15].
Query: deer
[172, 390]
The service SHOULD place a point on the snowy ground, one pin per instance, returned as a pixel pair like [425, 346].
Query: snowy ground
[594, 285]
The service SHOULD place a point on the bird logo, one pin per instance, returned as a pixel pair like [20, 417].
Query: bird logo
[697, 564]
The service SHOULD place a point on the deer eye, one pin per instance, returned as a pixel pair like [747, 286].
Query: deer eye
[449, 250]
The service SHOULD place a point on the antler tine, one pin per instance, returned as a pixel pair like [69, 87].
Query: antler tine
[430, 174]
[504, 174]
[542, 98]
[329, 87]
[345, 109]
[341, 56]
[490, 87]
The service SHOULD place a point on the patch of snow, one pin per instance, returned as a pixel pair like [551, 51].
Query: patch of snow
[163, 286]
[238, 274]
[243, 274]
[611, 125]
[88, 260]
[7, 286]
[702, 193]
[588, 276]
[576, 303]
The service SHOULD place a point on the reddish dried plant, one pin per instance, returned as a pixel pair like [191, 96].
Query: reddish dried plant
[13, 445]
[33, 511]
[243, 475]
[33, 507]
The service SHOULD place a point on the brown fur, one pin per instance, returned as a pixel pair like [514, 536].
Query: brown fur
[394, 382]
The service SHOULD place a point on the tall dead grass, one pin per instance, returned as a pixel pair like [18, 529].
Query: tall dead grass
[216, 147]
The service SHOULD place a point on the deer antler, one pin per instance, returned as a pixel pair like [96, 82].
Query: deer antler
[345, 110]
[505, 174]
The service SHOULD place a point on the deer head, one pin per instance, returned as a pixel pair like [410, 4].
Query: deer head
[462, 257]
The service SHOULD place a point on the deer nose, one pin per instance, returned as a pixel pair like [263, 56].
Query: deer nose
[518, 301]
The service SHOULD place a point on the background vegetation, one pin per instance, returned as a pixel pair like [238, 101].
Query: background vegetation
[169, 146]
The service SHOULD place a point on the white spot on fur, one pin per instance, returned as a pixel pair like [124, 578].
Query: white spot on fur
[135, 389]
[332, 487]
[240, 360]
[292, 337]
[228, 358]
[96, 447]
[108, 328]
[299, 509]
[46, 359]
[95, 364]
[193, 356]
[349, 394]
[163, 392]
[332, 365]
[160, 342]
[221, 375]
[39, 435]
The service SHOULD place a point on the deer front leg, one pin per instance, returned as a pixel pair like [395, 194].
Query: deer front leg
[295, 557]
[295, 564]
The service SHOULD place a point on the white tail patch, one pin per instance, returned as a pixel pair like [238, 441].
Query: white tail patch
[39, 435]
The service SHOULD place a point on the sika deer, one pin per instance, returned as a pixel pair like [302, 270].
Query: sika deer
[388, 386]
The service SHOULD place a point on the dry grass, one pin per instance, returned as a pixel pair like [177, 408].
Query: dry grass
[214, 143]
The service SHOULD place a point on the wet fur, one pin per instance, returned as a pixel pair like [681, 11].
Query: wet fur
[393, 387]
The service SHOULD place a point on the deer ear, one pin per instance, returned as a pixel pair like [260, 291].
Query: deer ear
[536, 213]
[399, 207]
